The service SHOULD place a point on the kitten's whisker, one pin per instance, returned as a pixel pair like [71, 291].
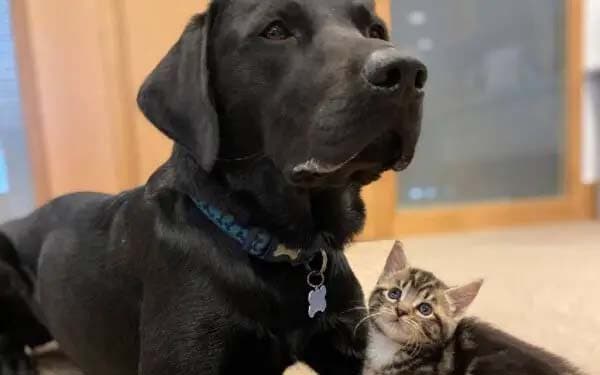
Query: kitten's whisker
[366, 318]
[388, 311]
[416, 351]
[417, 327]
[356, 308]
[414, 346]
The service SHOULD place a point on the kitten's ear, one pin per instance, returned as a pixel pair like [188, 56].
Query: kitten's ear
[396, 261]
[460, 298]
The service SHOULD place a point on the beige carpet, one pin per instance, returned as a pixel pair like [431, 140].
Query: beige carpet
[541, 282]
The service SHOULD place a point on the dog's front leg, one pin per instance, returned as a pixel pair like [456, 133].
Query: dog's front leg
[337, 350]
[182, 331]
[208, 349]
[173, 347]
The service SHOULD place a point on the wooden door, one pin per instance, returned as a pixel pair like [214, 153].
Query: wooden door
[81, 63]
[70, 94]
[545, 59]
[149, 28]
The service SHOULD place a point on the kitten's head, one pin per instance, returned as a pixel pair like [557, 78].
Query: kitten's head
[415, 308]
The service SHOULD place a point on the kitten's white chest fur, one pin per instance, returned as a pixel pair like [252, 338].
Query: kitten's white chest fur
[381, 350]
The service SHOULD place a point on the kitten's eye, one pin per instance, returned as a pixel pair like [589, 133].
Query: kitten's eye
[377, 31]
[425, 309]
[276, 31]
[394, 294]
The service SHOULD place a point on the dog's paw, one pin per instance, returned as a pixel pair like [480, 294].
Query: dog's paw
[15, 361]
[16, 364]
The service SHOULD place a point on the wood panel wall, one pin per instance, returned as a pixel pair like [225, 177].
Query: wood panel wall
[80, 65]
[577, 202]
[149, 29]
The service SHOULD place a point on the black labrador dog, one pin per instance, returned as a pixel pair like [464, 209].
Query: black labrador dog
[229, 260]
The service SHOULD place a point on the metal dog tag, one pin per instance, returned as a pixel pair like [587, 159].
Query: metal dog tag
[317, 301]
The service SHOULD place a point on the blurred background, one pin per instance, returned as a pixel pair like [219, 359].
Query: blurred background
[509, 136]
[508, 164]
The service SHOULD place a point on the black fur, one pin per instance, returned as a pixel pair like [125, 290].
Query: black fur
[477, 348]
[480, 349]
[138, 283]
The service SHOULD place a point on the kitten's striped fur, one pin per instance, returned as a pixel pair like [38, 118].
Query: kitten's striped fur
[404, 341]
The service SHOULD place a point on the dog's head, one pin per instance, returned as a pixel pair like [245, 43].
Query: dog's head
[314, 85]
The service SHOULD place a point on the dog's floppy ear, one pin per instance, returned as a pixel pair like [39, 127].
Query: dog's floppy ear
[177, 99]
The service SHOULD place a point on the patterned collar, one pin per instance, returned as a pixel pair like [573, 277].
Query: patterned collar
[255, 241]
[262, 245]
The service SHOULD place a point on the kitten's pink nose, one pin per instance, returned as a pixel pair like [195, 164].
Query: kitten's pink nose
[400, 311]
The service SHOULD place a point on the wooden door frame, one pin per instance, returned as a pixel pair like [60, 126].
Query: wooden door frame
[577, 201]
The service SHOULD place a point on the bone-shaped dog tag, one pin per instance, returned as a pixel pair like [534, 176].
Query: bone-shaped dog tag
[317, 301]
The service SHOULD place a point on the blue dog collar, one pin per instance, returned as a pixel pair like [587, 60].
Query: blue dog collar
[254, 241]
[261, 244]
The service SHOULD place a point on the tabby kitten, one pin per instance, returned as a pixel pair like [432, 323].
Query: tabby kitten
[417, 328]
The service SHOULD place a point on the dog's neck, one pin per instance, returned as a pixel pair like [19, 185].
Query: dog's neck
[257, 194]
[296, 216]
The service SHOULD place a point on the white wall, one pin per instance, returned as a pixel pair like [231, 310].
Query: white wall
[592, 35]
[591, 109]
[591, 130]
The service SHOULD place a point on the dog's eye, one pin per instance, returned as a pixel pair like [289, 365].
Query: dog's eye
[276, 31]
[377, 32]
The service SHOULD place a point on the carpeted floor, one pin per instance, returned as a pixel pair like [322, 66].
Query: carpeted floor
[541, 282]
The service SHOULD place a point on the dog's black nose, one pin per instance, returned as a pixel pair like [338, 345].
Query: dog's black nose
[388, 69]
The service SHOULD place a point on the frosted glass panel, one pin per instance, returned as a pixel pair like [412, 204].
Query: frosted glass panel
[16, 193]
[495, 108]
